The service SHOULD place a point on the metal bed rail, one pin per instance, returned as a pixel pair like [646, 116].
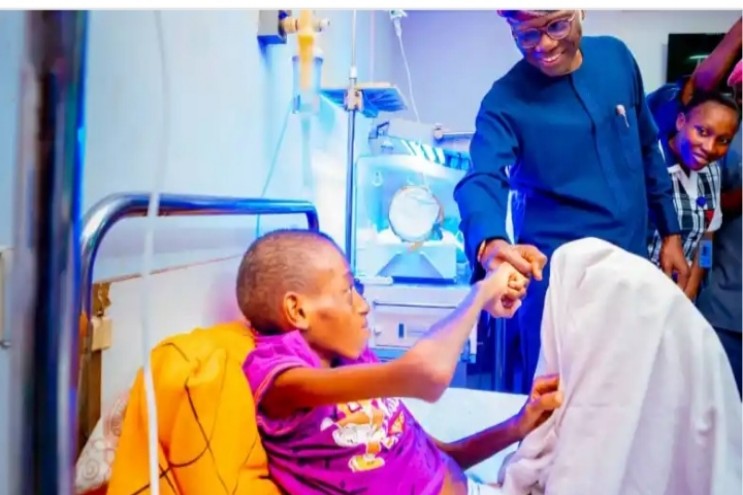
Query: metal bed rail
[108, 211]
[98, 222]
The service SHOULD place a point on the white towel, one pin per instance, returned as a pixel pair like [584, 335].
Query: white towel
[650, 404]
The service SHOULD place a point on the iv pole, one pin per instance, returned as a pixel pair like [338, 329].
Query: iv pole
[45, 276]
[353, 103]
[368, 100]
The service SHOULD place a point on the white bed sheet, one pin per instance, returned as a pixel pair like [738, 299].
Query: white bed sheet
[461, 412]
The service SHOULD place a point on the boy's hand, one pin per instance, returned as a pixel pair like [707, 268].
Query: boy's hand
[543, 400]
[502, 290]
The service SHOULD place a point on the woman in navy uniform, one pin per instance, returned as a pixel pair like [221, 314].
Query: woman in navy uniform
[705, 128]
[719, 298]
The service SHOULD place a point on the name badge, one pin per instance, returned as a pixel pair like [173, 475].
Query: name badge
[705, 254]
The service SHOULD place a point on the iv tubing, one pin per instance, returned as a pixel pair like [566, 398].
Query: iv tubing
[147, 261]
[274, 163]
[406, 65]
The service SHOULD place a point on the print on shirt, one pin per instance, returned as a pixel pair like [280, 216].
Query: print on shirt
[375, 424]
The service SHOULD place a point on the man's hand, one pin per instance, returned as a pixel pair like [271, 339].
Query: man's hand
[543, 400]
[527, 259]
[672, 260]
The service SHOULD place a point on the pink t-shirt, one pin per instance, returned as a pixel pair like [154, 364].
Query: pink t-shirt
[368, 447]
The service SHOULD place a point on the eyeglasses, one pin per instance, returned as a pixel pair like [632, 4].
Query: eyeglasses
[557, 30]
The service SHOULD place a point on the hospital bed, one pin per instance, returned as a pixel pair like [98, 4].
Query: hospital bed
[472, 410]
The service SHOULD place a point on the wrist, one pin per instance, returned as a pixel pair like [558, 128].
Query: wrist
[518, 428]
[486, 247]
[478, 296]
[672, 238]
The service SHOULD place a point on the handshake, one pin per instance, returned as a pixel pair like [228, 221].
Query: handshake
[509, 268]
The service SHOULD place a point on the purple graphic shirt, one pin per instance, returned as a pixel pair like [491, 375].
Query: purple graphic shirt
[367, 447]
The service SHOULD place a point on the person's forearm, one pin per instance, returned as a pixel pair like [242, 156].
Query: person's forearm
[438, 352]
[482, 194]
[483, 215]
[474, 449]
[715, 68]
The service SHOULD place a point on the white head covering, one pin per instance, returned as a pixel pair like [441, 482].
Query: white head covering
[650, 405]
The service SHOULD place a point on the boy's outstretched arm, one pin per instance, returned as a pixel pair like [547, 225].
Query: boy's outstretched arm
[423, 372]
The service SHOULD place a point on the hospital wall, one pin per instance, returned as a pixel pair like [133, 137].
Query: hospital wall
[228, 101]
[478, 45]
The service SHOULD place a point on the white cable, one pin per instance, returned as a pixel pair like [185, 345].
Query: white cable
[353, 71]
[396, 17]
[398, 31]
[147, 261]
[274, 162]
[372, 43]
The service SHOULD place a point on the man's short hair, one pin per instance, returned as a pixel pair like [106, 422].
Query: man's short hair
[519, 16]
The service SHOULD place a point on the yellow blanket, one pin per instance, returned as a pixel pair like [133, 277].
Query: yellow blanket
[209, 441]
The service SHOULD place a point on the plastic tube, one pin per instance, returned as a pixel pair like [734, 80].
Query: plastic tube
[147, 262]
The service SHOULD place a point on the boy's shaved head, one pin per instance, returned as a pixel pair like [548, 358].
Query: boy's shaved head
[280, 262]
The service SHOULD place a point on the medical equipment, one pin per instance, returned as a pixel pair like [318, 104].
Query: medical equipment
[405, 227]
[408, 222]
[408, 233]
[433, 142]
[275, 25]
[410, 252]
[273, 28]
[369, 99]
[308, 60]
[401, 313]
[306, 94]
[415, 213]
[307, 76]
